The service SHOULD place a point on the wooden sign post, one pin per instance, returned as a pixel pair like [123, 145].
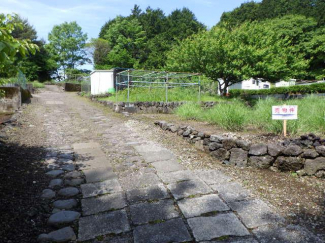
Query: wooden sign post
[285, 112]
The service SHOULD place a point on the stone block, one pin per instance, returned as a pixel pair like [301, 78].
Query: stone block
[229, 143]
[313, 165]
[115, 222]
[103, 203]
[177, 176]
[211, 177]
[173, 230]
[292, 150]
[238, 157]
[262, 162]
[208, 228]
[274, 149]
[147, 212]
[100, 188]
[255, 213]
[167, 166]
[155, 192]
[188, 188]
[258, 149]
[232, 191]
[289, 163]
[192, 207]
[99, 174]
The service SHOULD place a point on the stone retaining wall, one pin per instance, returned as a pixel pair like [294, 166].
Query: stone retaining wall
[71, 87]
[147, 107]
[305, 155]
[11, 101]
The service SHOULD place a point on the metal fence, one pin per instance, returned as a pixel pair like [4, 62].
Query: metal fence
[156, 79]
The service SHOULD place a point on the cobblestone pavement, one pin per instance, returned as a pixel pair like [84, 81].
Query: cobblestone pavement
[118, 186]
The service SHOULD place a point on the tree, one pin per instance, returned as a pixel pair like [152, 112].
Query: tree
[182, 24]
[10, 47]
[126, 38]
[67, 46]
[268, 9]
[99, 51]
[230, 56]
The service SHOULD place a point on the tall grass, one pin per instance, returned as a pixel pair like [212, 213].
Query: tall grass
[236, 116]
[159, 94]
[38, 85]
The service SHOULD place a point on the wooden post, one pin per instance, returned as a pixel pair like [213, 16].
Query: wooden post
[284, 127]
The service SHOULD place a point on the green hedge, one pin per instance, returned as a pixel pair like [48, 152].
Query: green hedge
[297, 89]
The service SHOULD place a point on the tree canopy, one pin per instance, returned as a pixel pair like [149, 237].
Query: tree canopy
[253, 49]
[11, 47]
[67, 46]
[143, 38]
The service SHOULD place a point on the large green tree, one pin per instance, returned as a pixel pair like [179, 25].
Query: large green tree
[152, 33]
[126, 38]
[230, 56]
[268, 9]
[11, 47]
[67, 46]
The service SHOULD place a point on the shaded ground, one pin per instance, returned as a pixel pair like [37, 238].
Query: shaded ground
[23, 215]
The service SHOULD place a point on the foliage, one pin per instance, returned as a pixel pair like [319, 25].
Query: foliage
[229, 56]
[126, 38]
[236, 116]
[36, 84]
[11, 47]
[67, 46]
[158, 94]
[297, 89]
[268, 9]
[99, 51]
[144, 37]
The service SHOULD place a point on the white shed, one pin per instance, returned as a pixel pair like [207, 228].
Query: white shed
[251, 84]
[102, 81]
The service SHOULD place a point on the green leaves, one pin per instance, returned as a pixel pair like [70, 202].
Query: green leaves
[230, 56]
[67, 45]
[11, 47]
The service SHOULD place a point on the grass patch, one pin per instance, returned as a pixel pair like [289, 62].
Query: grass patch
[37, 85]
[159, 95]
[237, 116]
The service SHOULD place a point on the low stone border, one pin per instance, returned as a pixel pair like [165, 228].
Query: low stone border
[147, 107]
[62, 195]
[305, 155]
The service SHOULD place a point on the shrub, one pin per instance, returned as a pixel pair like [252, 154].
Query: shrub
[190, 111]
[297, 89]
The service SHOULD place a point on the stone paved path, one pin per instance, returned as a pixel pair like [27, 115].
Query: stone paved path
[135, 190]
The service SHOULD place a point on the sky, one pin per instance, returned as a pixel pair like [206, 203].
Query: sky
[92, 14]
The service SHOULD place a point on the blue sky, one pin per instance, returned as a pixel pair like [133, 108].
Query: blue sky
[91, 15]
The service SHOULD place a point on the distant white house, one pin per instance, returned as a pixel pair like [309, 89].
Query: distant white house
[102, 81]
[282, 83]
[251, 84]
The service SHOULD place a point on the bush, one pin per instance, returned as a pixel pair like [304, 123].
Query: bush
[37, 84]
[297, 89]
[191, 111]
[231, 116]
[236, 116]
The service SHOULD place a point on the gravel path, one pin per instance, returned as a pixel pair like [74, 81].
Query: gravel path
[110, 182]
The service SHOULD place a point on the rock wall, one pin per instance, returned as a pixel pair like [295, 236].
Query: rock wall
[147, 107]
[305, 155]
[70, 87]
[11, 101]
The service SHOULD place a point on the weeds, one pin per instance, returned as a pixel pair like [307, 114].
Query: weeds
[236, 116]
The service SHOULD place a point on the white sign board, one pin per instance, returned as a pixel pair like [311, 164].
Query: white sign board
[285, 112]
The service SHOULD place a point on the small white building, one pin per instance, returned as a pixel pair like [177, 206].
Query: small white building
[282, 83]
[102, 81]
[251, 84]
